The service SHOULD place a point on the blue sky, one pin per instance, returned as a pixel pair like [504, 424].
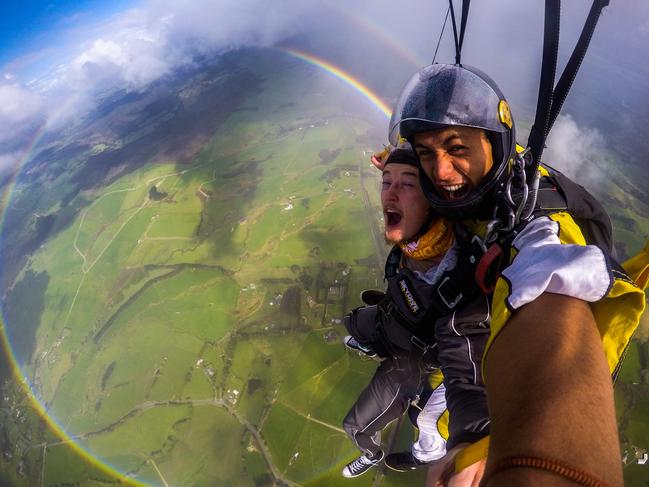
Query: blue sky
[32, 25]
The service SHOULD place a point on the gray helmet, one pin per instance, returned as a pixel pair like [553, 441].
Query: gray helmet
[442, 95]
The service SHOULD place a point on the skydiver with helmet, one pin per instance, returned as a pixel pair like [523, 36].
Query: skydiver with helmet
[562, 311]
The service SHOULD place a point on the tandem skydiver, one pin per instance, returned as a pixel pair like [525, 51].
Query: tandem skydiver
[411, 328]
[562, 311]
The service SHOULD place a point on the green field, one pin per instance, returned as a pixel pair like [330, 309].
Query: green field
[185, 310]
[184, 325]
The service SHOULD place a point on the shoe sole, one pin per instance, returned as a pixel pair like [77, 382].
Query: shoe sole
[400, 467]
[359, 351]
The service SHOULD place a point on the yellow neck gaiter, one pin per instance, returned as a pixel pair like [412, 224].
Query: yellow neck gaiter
[436, 241]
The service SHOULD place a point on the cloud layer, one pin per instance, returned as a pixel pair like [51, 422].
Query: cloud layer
[131, 51]
[577, 152]
[137, 47]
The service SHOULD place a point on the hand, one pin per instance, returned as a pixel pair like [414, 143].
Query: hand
[469, 477]
[379, 158]
[442, 473]
[377, 161]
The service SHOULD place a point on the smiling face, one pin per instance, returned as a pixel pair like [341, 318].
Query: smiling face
[405, 207]
[456, 159]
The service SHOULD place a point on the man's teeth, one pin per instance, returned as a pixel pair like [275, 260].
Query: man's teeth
[453, 188]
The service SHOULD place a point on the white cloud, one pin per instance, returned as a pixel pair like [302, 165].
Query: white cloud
[21, 115]
[213, 25]
[133, 63]
[9, 161]
[144, 44]
[577, 152]
[17, 104]
[135, 48]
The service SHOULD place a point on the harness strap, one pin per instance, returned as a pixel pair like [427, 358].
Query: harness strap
[551, 98]
[459, 40]
[539, 131]
[570, 71]
[550, 199]
[488, 269]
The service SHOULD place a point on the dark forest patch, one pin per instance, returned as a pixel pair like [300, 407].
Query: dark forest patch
[328, 155]
[107, 373]
[291, 300]
[43, 225]
[253, 385]
[23, 309]
[156, 195]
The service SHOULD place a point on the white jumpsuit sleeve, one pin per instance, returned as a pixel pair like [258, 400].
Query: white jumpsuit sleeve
[544, 264]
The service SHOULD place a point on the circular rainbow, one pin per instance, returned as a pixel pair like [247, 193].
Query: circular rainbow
[5, 200]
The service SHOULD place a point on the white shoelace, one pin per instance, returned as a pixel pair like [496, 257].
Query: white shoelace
[359, 464]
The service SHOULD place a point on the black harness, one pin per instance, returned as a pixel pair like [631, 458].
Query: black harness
[406, 312]
[403, 317]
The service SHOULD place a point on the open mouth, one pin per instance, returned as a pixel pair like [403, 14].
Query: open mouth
[454, 191]
[392, 217]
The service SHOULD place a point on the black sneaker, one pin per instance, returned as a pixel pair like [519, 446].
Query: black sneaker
[353, 344]
[404, 461]
[361, 465]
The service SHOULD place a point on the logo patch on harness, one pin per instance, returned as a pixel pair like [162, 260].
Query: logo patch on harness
[412, 304]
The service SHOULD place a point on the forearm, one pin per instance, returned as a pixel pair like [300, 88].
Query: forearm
[550, 394]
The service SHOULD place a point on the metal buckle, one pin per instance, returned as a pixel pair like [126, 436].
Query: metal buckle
[418, 342]
[480, 242]
[389, 307]
[453, 303]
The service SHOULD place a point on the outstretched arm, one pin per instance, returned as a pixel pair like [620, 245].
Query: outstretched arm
[550, 395]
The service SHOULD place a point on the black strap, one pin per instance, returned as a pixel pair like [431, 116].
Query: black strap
[392, 262]
[459, 40]
[551, 27]
[452, 289]
[570, 71]
[551, 98]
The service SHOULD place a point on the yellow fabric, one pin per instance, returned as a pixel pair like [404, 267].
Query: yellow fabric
[623, 307]
[442, 424]
[637, 267]
[436, 241]
[435, 379]
[617, 315]
[500, 314]
[569, 231]
[471, 454]
[382, 156]
[477, 227]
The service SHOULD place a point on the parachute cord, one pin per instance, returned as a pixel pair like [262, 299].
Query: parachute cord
[457, 42]
[441, 34]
